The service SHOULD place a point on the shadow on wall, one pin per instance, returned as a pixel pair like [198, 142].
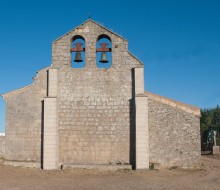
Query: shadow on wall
[2, 115]
[42, 133]
[132, 124]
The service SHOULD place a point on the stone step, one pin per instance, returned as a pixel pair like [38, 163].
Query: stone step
[97, 167]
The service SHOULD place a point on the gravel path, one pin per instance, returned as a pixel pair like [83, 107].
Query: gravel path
[207, 178]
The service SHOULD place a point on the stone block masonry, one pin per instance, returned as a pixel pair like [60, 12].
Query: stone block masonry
[94, 123]
[141, 118]
[94, 104]
[95, 116]
[2, 147]
[50, 131]
[174, 134]
[142, 133]
[23, 135]
[50, 141]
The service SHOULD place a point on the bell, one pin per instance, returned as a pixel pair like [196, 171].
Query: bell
[78, 57]
[103, 58]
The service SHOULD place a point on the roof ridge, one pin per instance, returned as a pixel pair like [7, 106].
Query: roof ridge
[16, 90]
[131, 54]
[174, 103]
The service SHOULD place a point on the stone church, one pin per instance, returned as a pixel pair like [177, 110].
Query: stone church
[96, 115]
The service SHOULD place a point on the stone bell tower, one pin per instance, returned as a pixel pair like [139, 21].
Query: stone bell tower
[95, 115]
[89, 108]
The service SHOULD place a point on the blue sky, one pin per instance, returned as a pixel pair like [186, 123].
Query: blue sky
[178, 41]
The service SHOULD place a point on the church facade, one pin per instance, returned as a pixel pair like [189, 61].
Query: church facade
[95, 115]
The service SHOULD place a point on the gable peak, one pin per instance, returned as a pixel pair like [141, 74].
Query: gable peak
[95, 23]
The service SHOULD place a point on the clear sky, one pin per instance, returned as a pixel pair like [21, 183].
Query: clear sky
[178, 41]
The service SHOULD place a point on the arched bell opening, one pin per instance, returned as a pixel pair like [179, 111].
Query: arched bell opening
[78, 57]
[103, 51]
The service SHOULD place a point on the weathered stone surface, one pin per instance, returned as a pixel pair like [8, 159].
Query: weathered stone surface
[99, 167]
[174, 136]
[2, 147]
[98, 116]
[24, 121]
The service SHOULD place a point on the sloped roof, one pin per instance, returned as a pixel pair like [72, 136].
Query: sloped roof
[16, 91]
[132, 55]
[13, 92]
[185, 107]
[90, 20]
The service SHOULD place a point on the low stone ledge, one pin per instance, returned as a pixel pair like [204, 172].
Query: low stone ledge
[25, 164]
[97, 167]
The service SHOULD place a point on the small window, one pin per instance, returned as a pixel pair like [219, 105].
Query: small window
[104, 52]
[78, 52]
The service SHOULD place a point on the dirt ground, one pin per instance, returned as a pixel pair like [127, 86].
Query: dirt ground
[207, 178]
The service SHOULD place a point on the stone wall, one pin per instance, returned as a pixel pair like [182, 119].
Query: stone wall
[94, 104]
[2, 147]
[24, 122]
[174, 134]
[93, 116]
